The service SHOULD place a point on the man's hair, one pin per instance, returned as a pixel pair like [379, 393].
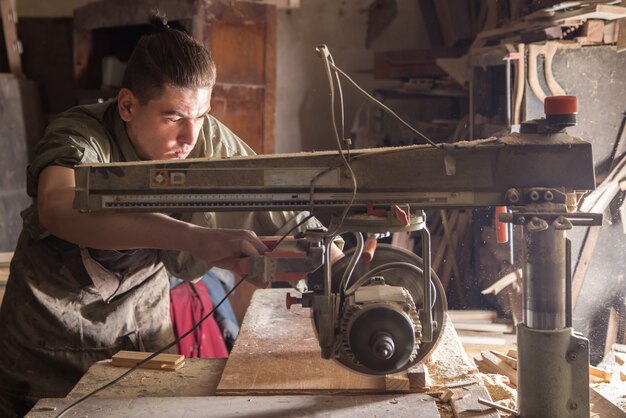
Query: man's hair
[169, 56]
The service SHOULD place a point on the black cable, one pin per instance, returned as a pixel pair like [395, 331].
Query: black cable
[285, 235]
[153, 355]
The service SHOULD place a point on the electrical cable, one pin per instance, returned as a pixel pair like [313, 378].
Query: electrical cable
[380, 104]
[326, 58]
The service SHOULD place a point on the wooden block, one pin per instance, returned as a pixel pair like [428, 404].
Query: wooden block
[418, 378]
[446, 395]
[605, 375]
[593, 30]
[610, 32]
[620, 358]
[161, 362]
[397, 383]
[622, 376]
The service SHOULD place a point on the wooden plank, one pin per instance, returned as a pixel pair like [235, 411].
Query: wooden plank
[199, 377]
[13, 45]
[507, 359]
[599, 406]
[277, 352]
[400, 406]
[472, 315]
[486, 327]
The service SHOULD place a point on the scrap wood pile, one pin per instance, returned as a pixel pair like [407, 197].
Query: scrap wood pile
[495, 362]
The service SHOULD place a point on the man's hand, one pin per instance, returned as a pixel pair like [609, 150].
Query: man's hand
[225, 248]
[118, 231]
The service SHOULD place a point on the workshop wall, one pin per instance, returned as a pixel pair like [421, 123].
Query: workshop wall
[302, 103]
[302, 107]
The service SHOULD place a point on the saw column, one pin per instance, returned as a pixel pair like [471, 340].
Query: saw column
[553, 360]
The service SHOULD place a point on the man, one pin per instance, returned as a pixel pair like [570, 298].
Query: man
[84, 286]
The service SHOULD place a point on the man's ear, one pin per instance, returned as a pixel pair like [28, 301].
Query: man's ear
[126, 104]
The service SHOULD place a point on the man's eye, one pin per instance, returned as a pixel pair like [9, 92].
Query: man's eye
[174, 120]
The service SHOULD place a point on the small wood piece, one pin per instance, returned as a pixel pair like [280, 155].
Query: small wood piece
[512, 353]
[465, 402]
[160, 362]
[620, 358]
[397, 383]
[610, 32]
[593, 30]
[418, 378]
[501, 367]
[602, 374]
[622, 376]
[446, 395]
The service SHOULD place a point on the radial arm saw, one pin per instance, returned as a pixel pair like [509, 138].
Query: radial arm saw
[383, 311]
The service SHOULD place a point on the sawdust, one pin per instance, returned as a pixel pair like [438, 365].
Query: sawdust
[500, 392]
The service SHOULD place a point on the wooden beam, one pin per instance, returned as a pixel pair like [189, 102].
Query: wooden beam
[13, 45]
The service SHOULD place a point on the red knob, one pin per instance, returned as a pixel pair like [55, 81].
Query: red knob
[291, 300]
[560, 105]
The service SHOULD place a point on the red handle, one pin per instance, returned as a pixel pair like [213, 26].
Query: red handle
[502, 232]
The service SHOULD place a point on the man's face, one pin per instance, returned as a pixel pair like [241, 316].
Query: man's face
[167, 127]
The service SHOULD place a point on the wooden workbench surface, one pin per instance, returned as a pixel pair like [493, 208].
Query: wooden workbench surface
[275, 354]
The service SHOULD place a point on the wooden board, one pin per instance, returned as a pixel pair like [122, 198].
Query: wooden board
[199, 377]
[408, 405]
[277, 352]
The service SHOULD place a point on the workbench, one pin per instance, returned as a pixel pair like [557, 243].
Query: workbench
[275, 369]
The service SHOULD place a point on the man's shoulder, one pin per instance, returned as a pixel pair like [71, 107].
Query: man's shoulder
[91, 116]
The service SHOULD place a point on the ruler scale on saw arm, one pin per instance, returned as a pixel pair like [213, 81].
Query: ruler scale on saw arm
[469, 174]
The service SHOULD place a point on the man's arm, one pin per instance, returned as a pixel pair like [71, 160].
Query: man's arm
[108, 230]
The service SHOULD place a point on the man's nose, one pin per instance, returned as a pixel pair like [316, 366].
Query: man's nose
[187, 133]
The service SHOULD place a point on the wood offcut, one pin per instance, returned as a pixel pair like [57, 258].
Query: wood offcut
[170, 362]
